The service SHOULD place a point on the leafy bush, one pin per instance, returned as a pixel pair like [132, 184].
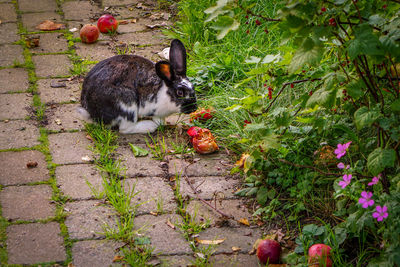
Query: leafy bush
[310, 91]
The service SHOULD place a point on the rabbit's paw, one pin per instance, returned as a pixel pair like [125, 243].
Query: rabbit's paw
[146, 126]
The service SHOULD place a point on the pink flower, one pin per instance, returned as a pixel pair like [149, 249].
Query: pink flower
[381, 213]
[340, 151]
[346, 181]
[374, 180]
[366, 200]
[341, 166]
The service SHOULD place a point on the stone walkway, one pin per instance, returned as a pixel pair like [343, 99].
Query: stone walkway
[49, 215]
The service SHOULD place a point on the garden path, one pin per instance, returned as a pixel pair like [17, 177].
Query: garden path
[49, 215]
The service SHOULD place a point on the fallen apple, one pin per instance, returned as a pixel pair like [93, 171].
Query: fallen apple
[89, 33]
[318, 255]
[192, 132]
[201, 114]
[203, 142]
[107, 24]
[269, 251]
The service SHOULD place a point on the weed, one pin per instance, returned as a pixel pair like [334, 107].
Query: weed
[158, 147]
[123, 49]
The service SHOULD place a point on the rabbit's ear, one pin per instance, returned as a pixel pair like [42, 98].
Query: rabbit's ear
[164, 71]
[177, 57]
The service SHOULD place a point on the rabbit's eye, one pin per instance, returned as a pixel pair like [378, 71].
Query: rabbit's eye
[179, 92]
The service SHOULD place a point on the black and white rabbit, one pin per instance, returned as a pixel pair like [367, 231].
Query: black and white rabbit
[123, 88]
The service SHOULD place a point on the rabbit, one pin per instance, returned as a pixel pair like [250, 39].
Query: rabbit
[121, 89]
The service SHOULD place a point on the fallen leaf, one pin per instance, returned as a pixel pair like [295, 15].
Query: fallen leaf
[244, 221]
[200, 255]
[170, 224]
[89, 137]
[32, 41]
[255, 246]
[138, 151]
[153, 213]
[133, 20]
[118, 258]
[279, 234]
[71, 265]
[48, 25]
[73, 30]
[271, 236]
[123, 22]
[157, 25]
[31, 164]
[156, 16]
[235, 249]
[209, 242]
[58, 121]
[55, 84]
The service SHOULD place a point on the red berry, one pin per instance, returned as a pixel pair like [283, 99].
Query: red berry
[323, 9]
[384, 6]
[247, 32]
[270, 89]
[291, 85]
[258, 22]
[247, 17]
[265, 85]
[247, 22]
[344, 91]
[246, 122]
[303, 71]
[310, 93]
[266, 31]
[345, 98]
[332, 22]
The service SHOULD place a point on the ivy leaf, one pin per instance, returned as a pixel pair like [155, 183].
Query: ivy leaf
[379, 159]
[310, 52]
[364, 117]
[138, 151]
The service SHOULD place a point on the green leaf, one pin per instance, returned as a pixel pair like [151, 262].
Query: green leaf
[271, 58]
[365, 42]
[252, 60]
[138, 151]
[326, 98]
[364, 117]
[310, 52]
[220, 4]
[225, 24]
[262, 195]
[395, 106]
[355, 89]
[379, 159]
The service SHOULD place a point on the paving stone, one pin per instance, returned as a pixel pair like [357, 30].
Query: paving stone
[164, 239]
[78, 10]
[242, 237]
[207, 165]
[17, 134]
[31, 20]
[7, 13]
[14, 170]
[125, 12]
[143, 38]
[211, 186]
[149, 52]
[140, 166]
[52, 65]
[98, 51]
[177, 260]
[14, 106]
[11, 54]
[27, 202]
[72, 180]
[37, 5]
[200, 212]
[69, 148]
[87, 218]
[8, 33]
[13, 80]
[135, 139]
[138, 26]
[50, 95]
[35, 243]
[64, 117]
[153, 191]
[95, 253]
[50, 43]
[237, 260]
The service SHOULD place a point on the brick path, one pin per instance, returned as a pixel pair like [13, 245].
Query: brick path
[35, 229]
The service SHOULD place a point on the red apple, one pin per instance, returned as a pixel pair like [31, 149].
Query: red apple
[201, 114]
[107, 24]
[204, 142]
[89, 33]
[318, 255]
[192, 132]
[269, 251]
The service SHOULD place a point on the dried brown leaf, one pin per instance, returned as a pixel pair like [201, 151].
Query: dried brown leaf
[235, 249]
[170, 224]
[244, 221]
[118, 258]
[31, 164]
[48, 25]
[123, 22]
